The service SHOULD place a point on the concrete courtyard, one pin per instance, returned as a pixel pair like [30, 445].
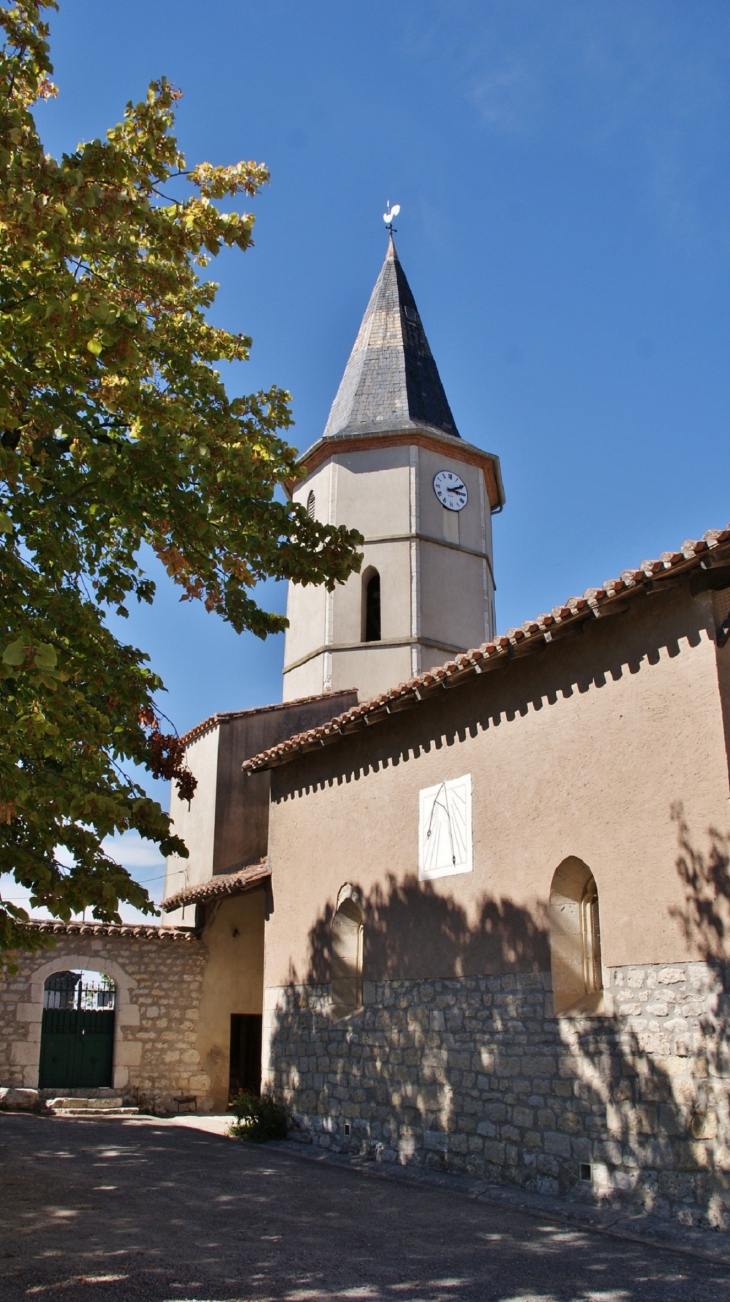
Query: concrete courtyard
[109, 1211]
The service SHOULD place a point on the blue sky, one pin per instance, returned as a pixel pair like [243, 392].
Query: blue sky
[563, 172]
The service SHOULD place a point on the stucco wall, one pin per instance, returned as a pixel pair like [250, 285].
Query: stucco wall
[232, 983]
[227, 823]
[195, 821]
[434, 566]
[608, 746]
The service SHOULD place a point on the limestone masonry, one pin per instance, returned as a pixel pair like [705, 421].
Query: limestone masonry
[158, 985]
[478, 1076]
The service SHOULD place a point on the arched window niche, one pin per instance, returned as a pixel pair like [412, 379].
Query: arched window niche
[371, 605]
[311, 504]
[575, 940]
[347, 954]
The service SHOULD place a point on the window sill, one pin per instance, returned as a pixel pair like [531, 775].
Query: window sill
[346, 1015]
[596, 1004]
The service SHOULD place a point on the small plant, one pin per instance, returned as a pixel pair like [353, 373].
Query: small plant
[257, 1119]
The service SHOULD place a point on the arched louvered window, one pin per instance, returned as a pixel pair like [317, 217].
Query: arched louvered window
[310, 505]
[575, 939]
[371, 606]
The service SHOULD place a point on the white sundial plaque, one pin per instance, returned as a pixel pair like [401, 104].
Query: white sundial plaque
[444, 829]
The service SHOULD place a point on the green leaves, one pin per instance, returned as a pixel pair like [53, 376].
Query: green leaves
[116, 431]
[45, 657]
[15, 653]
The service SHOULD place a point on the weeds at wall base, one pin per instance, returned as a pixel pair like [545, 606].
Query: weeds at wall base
[257, 1119]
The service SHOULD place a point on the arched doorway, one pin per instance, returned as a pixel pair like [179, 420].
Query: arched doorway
[77, 1031]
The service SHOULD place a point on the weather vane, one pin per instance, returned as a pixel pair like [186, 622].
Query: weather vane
[390, 215]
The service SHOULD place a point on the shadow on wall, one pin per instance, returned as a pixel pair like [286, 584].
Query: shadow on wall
[587, 661]
[409, 927]
[469, 1070]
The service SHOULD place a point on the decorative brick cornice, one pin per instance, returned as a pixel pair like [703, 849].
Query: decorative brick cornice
[709, 552]
[432, 439]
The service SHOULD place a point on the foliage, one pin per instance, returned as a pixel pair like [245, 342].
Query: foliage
[116, 431]
[257, 1119]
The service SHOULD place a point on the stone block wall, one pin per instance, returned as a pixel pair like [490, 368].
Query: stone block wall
[158, 973]
[478, 1076]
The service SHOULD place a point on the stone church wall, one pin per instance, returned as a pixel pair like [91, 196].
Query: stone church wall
[476, 1075]
[158, 980]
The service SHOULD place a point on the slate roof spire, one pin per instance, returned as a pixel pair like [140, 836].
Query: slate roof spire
[391, 381]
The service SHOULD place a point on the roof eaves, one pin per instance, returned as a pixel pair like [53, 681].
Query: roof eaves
[128, 930]
[394, 432]
[226, 716]
[220, 886]
[533, 635]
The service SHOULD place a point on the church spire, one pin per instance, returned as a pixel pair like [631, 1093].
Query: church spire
[391, 381]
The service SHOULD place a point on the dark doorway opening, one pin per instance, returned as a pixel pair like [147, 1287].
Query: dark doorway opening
[245, 1053]
[77, 1031]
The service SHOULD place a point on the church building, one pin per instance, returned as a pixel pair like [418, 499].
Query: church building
[460, 899]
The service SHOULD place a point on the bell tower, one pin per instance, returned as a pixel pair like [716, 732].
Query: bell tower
[392, 464]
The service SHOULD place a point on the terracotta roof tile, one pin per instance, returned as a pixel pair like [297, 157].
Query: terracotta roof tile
[215, 720]
[221, 885]
[132, 930]
[470, 662]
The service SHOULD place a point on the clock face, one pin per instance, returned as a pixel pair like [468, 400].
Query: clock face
[450, 490]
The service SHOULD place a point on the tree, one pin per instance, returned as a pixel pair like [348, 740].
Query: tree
[117, 432]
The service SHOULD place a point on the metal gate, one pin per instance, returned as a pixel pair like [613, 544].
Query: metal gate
[77, 1033]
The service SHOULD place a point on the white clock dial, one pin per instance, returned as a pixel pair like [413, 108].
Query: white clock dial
[450, 490]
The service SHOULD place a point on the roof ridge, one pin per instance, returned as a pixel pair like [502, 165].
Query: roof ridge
[207, 725]
[691, 552]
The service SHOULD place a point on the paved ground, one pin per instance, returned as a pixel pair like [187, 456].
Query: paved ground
[110, 1211]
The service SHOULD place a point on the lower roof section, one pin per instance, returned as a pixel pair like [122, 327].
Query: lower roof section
[220, 886]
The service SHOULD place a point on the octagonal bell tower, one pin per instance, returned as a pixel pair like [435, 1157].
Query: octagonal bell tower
[392, 464]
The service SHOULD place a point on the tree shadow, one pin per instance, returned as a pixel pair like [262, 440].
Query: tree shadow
[246, 1221]
[456, 1060]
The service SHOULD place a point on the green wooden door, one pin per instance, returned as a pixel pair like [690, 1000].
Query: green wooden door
[77, 1048]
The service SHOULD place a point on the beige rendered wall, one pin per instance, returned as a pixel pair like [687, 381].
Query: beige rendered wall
[475, 521]
[455, 599]
[370, 665]
[434, 565]
[457, 589]
[308, 608]
[195, 824]
[232, 982]
[719, 603]
[608, 746]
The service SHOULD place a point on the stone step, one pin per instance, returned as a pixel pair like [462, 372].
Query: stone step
[90, 1101]
[91, 1113]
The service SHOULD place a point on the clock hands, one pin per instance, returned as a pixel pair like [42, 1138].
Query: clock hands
[451, 490]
